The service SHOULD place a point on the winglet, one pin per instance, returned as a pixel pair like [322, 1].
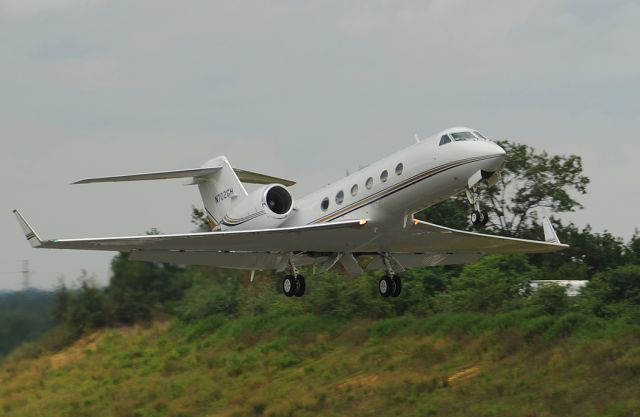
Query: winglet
[29, 233]
[550, 235]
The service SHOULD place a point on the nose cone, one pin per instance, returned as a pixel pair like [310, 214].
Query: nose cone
[495, 156]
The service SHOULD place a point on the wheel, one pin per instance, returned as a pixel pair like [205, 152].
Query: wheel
[477, 218]
[485, 217]
[396, 286]
[300, 286]
[289, 285]
[385, 286]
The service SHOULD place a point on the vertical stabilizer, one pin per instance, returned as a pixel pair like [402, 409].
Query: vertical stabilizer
[221, 190]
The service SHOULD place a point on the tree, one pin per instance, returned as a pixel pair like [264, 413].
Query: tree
[138, 289]
[492, 284]
[531, 181]
[550, 299]
[611, 292]
[199, 219]
[633, 249]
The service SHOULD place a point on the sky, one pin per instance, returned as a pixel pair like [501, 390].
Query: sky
[302, 90]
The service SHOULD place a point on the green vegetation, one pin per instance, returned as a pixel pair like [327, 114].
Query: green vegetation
[167, 340]
[24, 316]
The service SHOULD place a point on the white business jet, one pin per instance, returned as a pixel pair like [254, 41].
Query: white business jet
[363, 221]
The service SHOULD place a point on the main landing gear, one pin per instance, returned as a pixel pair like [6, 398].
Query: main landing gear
[478, 217]
[293, 283]
[390, 284]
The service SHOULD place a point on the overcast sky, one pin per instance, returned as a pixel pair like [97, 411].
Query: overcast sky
[302, 90]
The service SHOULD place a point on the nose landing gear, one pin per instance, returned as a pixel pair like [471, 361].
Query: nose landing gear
[478, 217]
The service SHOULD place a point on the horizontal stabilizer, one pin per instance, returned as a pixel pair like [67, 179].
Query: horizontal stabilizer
[184, 173]
[243, 176]
[256, 178]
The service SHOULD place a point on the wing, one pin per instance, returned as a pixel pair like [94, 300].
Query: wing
[324, 237]
[419, 244]
[423, 237]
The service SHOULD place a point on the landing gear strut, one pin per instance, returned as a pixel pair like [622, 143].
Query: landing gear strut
[293, 283]
[478, 217]
[390, 284]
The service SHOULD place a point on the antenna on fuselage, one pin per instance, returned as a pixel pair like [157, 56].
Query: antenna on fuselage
[415, 135]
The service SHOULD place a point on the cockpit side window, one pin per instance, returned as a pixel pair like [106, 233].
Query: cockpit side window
[458, 136]
[480, 135]
[444, 140]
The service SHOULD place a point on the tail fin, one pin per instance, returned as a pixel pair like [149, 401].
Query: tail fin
[220, 190]
[220, 185]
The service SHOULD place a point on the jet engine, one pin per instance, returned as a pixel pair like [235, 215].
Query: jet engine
[268, 206]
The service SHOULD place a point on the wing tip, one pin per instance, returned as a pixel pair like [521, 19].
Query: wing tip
[550, 235]
[29, 232]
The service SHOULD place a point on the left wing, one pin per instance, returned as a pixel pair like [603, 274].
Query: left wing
[419, 244]
[325, 237]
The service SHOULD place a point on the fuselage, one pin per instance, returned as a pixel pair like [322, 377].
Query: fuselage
[390, 190]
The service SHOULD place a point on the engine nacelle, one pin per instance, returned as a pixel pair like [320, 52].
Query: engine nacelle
[266, 207]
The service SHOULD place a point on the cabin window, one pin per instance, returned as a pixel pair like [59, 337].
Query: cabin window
[369, 183]
[339, 197]
[384, 176]
[399, 168]
[325, 204]
[354, 190]
[444, 140]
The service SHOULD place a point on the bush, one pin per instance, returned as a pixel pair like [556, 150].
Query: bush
[612, 293]
[495, 283]
[550, 299]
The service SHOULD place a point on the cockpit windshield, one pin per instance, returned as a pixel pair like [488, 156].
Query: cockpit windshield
[480, 135]
[458, 136]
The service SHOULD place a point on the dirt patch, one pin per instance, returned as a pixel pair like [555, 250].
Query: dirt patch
[76, 351]
[464, 374]
[366, 380]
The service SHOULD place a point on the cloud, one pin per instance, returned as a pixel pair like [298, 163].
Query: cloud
[31, 7]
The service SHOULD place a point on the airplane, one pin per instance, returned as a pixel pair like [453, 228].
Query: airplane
[364, 221]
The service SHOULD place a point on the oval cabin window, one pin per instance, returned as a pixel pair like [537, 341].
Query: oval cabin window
[354, 190]
[339, 197]
[384, 176]
[325, 204]
[369, 183]
[399, 168]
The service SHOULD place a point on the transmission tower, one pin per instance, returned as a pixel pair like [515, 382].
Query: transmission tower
[26, 275]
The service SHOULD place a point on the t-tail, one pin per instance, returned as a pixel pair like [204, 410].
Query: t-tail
[220, 185]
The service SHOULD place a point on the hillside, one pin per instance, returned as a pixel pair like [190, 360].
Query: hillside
[279, 365]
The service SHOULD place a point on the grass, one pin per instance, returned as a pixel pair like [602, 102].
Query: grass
[278, 365]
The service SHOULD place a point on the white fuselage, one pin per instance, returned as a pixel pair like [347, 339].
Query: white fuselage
[416, 177]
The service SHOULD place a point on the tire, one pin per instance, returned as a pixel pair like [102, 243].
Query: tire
[396, 285]
[485, 218]
[289, 285]
[385, 286]
[301, 286]
[476, 218]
